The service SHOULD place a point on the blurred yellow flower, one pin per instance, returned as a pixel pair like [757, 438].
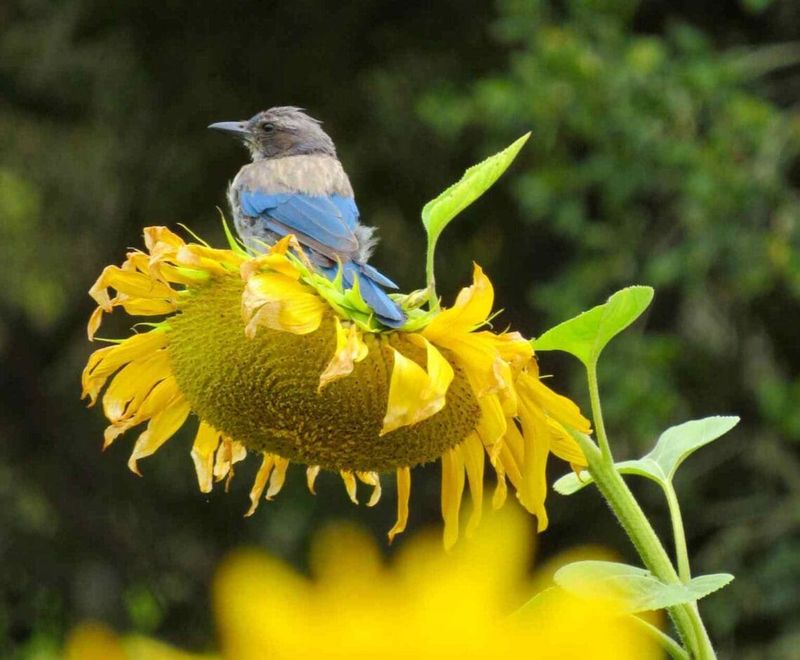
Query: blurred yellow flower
[275, 359]
[425, 603]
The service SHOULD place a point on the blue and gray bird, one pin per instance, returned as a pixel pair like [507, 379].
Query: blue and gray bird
[295, 184]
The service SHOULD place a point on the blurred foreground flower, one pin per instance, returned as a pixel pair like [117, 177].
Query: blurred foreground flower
[426, 603]
[275, 359]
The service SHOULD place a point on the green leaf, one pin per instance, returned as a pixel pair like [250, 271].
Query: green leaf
[677, 443]
[438, 213]
[673, 447]
[585, 335]
[637, 588]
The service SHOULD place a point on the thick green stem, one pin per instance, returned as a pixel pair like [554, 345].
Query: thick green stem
[681, 553]
[638, 528]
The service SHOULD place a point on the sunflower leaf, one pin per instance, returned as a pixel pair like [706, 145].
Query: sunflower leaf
[438, 213]
[585, 335]
[677, 443]
[673, 447]
[637, 588]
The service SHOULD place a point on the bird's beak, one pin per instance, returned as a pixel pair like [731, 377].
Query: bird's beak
[237, 128]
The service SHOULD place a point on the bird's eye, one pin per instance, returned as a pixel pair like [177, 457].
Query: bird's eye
[268, 127]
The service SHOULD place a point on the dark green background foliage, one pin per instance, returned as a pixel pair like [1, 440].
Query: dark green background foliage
[665, 152]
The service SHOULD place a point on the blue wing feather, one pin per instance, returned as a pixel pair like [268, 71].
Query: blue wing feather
[329, 220]
[386, 309]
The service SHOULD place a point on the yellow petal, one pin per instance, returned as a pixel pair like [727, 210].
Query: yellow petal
[105, 361]
[350, 348]
[557, 406]
[416, 394]
[472, 307]
[452, 493]
[278, 477]
[403, 494]
[147, 307]
[275, 260]
[480, 359]
[536, 436]
[210, 259]
[133, 383]
[274, 301]
[267, 463]
[157, 399]
[563, 445]
[94, 323]
[472, 452]
[205, 444]
[160, 428]
[349, 480]
[311, 477]
[229, 453]
[160, 240]
[130, 283]
[372, 479]
[492, 425]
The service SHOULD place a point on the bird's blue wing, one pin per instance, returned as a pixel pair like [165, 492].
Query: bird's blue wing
[327, 219]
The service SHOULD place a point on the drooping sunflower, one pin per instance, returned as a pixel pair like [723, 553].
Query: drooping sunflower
[276, 360]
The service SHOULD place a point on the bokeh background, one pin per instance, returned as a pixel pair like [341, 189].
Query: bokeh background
[665, 152]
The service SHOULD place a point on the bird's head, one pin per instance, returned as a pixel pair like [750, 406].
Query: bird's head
[279, 132]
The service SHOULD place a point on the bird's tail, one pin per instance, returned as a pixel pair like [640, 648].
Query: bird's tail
[371, 284]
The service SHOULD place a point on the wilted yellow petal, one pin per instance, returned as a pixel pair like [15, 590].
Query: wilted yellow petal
[160, 428]
[452, 493]
[94, 323]
[157, 399]
[311, 477]
[130, 283]
[372, 479]
[205, 444]
[349, 480]
[133, 383]
[414, 393]
[350, 348]
[147, 307]
[403, 494]
[275, 260]
[161, 241]
[557, 406]
[210, 259]
[278, 477]
[472, 307]
[563, 445]
[274, 301]
[267, 463]
[229, 453]
[105, 361]
[492, 424]
[472, 452]
[536, 436]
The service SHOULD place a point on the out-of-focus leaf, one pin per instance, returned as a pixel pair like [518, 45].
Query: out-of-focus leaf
[637, 588]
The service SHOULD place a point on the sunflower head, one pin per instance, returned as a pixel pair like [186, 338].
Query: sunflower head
[274, 359]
